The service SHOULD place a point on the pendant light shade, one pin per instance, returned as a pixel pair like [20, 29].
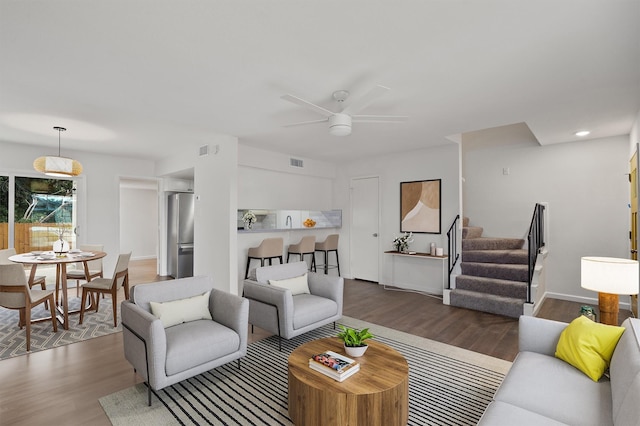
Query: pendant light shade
[58, 166]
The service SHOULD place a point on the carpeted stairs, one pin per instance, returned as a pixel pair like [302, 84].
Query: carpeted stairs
[494, 274]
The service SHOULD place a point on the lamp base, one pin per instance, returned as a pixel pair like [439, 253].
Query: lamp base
[609, 306]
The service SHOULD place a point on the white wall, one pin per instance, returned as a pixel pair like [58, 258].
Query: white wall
[440, 162]
[267, 181]
[215, 187]
[139, 220]
[585, 184]
[98, 186]
[634, 136]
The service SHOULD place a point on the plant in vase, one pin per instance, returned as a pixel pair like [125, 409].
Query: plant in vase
[248, 218]
[60, 246]
[353, 340]
[402, 242]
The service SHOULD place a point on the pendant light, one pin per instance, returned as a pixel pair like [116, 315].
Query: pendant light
[58, 166]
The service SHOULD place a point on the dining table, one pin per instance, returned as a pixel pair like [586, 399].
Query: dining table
[61, 260]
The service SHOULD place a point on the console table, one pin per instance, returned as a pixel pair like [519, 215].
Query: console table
[431, 269]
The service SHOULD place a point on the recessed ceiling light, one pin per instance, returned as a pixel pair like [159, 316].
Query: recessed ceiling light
[582, 133]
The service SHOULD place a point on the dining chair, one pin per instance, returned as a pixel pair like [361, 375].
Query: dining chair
[110, 286]
[15, 293]
[90, 269]
[40, 280]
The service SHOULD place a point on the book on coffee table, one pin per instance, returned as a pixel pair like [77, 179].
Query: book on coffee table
[334, 365]
[333, 360]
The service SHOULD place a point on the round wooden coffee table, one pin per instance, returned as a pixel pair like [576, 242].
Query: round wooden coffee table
[378, 394]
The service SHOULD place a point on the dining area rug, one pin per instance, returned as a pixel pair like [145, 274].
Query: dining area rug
[447, 385]
[13, 341]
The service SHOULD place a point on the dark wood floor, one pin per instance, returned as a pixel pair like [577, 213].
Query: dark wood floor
[62, 385]
[426, 316]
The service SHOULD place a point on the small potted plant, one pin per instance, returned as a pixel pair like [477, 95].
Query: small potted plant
[402, 242]
[248, 218]
[354, 339]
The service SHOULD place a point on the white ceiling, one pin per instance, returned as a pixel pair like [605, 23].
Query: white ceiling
[143, 78]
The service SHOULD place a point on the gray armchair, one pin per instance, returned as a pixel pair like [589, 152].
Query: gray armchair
[164, 356]
[277, 310]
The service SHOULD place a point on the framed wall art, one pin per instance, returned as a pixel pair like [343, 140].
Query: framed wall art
[420, 206]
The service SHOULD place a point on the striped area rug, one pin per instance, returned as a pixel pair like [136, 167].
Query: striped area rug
[447, 386]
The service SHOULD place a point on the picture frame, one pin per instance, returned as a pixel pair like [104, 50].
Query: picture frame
[420, 206]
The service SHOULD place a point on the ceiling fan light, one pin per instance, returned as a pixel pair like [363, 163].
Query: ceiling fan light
[340, 124]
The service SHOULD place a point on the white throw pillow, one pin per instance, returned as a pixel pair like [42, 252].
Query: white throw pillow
[297, 285]
[183, 310]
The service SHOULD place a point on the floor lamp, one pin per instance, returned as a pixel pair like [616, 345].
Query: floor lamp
[609, 277]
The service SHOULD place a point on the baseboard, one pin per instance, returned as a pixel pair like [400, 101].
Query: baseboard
[144, 257]
[588, 300]
[446, 296]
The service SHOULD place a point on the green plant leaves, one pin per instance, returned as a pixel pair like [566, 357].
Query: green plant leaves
[353, 337]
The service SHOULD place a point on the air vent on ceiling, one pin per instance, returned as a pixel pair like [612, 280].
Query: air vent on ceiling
[204, 150]
[295, 162]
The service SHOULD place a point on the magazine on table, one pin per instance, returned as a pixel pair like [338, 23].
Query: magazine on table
[335, 375]
[333, 360]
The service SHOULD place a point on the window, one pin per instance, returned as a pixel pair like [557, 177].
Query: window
[44, 211]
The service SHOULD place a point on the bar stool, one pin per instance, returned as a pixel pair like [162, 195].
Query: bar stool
[305, 246]
[269, 248]
[329, 245]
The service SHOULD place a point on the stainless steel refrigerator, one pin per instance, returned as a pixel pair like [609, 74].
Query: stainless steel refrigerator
[180, 235]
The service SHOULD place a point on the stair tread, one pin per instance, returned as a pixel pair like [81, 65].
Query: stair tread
[493, 280]
[498, 265]
[500, 251]
[472, 232]
[515, 272]
[500, 256]
[488, 296]
[495, 286]
[492, 243]
[491, 303]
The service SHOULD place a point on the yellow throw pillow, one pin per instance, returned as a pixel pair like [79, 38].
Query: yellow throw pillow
[588, 346]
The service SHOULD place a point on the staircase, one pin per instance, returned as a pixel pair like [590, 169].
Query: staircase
[494, 274]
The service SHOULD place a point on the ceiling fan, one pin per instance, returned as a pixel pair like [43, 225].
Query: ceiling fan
[340, 122]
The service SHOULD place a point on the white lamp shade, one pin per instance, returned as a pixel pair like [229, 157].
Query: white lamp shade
[57, 166]
[609, 275]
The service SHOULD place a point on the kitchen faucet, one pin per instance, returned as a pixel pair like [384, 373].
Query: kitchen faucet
[289, 222]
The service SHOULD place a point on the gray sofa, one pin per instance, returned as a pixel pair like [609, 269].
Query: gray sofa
[543, 390]
[276, 310]
[164, 356]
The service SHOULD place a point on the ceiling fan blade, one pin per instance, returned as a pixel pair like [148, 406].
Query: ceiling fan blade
[379, 118]
[296, 100]
[366, 100]
[304, 123]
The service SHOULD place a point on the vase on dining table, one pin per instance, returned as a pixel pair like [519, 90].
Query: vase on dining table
[60, 246]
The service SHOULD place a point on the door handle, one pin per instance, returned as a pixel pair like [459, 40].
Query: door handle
[375, 234]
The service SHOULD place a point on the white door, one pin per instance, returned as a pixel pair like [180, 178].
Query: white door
[365, 252]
